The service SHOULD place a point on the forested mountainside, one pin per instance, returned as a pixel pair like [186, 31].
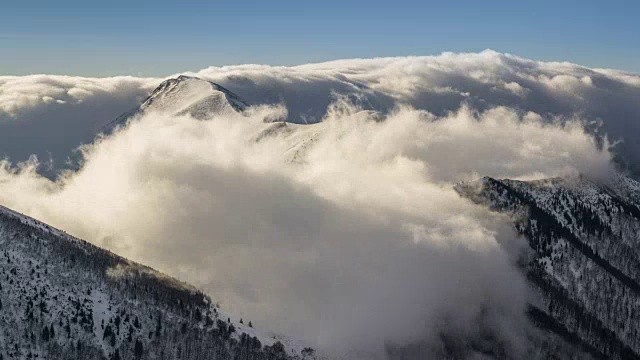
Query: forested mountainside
[63, 298]
[585, 262]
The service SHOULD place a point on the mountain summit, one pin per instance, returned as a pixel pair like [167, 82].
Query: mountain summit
[186, 95]
[194, 96]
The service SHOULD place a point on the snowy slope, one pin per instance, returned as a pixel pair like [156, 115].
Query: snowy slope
[63, 298]
[585, 237]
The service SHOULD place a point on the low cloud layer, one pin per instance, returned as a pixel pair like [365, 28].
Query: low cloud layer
[51, 115]
[347, 232]
[357, 244]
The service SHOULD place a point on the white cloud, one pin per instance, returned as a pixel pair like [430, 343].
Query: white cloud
[50, 116]
[22, 93]
[359, 242]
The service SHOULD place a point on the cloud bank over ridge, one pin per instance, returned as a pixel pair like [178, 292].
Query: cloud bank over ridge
[57, 113]
[346, 232]
[606, 100]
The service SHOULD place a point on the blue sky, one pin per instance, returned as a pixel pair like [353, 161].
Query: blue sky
[153, 38]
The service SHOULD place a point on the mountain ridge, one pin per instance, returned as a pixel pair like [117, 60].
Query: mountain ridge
[184, 95]
[585, 264]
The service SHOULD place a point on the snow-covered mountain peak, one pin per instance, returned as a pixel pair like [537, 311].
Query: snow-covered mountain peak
[185, 95]
[194, 96]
